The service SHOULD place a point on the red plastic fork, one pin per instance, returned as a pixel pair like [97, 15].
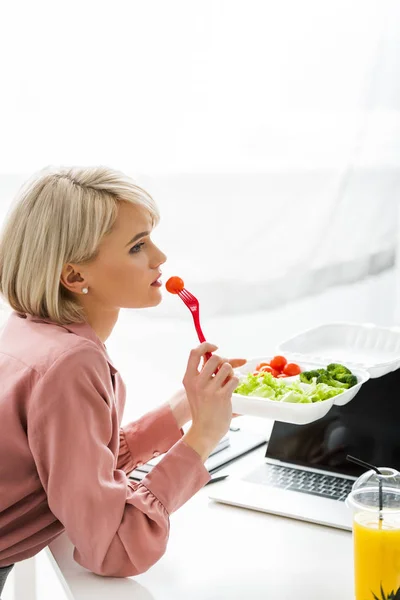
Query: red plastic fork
[193, 305]
[175, 285]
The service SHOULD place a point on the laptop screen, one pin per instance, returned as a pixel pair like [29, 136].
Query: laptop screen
[368, 427]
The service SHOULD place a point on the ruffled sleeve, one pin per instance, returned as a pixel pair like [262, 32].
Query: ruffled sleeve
[151, 435]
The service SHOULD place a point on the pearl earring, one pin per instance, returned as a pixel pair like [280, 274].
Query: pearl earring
[85, 290]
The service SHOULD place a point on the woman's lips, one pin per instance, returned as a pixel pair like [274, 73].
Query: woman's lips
[157, 283]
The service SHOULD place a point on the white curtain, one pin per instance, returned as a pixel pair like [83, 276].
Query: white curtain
[268, 132]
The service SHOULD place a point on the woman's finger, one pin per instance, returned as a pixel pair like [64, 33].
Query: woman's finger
[232, 384]
[211, 366]
[225, 371]
[195, 356]
[237, 362]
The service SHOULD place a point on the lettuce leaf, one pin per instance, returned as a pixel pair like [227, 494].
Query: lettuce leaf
[267, 386]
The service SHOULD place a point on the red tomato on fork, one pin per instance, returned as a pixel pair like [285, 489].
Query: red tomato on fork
[174, 285]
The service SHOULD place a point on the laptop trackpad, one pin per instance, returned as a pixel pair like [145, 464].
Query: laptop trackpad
[295, 505]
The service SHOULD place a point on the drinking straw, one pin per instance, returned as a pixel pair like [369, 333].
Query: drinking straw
[366, 465]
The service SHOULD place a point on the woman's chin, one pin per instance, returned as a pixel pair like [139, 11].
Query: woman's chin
[154, 299]
[156, 302]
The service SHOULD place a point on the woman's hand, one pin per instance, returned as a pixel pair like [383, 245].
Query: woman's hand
[179, 403]
[209, 394]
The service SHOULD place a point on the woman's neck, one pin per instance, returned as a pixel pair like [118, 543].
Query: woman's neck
[102, 321]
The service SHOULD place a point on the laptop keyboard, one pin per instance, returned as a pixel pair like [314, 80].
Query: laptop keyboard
[297, 480]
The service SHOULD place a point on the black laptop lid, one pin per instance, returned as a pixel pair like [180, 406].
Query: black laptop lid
[367, 427]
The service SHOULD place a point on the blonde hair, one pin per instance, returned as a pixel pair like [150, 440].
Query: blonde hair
[60, 216]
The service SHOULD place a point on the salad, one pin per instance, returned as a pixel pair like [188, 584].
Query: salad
[311, 386]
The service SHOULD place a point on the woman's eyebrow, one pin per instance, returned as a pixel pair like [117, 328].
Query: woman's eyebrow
[138, 236]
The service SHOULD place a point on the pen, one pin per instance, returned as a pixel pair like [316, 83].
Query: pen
[217, 478]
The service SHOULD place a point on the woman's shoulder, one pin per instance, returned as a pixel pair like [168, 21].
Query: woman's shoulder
[41, 344]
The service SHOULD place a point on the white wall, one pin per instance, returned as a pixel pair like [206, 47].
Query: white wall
[246, 242]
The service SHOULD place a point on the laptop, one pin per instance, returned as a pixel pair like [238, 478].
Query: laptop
[305, 474]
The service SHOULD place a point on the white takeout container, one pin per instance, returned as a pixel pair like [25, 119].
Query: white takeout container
[368, 350]
[361, 345]
[290, 412]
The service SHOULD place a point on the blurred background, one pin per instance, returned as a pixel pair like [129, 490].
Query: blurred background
[268, 134]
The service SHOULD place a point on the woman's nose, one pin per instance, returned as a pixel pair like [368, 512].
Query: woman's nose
[160, 257]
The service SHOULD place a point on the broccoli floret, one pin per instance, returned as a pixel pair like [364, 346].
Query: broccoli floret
[308, 376]
[335, 375]
[337, 368]
[328, 380]
[346, 378]
[324, 378]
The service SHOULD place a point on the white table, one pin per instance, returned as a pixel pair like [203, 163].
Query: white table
[217, 551]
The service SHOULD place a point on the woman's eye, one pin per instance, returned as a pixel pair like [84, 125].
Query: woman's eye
[136, 248]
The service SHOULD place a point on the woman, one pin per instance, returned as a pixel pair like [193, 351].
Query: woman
[75, 249]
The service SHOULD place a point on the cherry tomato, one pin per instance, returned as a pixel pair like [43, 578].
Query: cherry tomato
[278, 362]
[262, 364]
[291, 369]
[257, 373]
[269, 369]
[174, 285]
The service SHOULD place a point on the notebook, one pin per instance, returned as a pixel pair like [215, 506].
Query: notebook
[305, 474]
[237, 443]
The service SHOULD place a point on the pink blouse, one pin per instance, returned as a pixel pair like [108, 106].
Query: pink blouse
[64, 458]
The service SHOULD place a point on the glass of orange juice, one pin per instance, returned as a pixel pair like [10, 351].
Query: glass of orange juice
[375, 501]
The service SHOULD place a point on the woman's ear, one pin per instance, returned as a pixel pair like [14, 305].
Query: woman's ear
[72, 279]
